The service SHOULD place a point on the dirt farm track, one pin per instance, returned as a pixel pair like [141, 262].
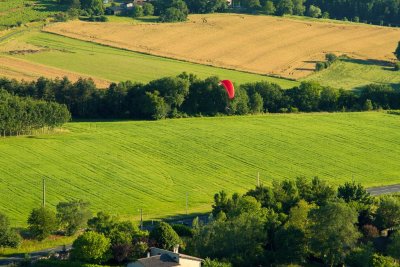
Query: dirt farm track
[258, 44]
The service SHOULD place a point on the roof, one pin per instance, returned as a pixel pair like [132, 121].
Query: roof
[162, 260]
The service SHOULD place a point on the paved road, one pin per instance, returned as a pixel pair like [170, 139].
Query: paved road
[381, 190]
[37, 254]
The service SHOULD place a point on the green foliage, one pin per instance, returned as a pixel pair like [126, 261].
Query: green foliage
[103, 223]
[314, 11]
[393, 248]
[23, 115]
[8, 237]
[93, 7]
[285, 7]
[354, 192]
[164, 236]
[91, 247]
[240, 238]
[320, 66]
[333, 232]
[148, 9]
[383, 261]
[183, 230]
[269, 8]
[397, 66]
[42, 222]
[361, 256]
[397, 52]
[388, 212]
[176, 11]
[137, 11]
[368, 106]
[215, 263]
[73, 215]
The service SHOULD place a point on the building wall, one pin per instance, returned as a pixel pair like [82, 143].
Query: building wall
[189, 263]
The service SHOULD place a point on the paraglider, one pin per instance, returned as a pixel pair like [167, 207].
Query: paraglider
[230, 89]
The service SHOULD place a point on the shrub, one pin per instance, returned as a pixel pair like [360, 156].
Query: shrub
[183, 230]
[42, 222]
[314, 11]
[8, 237]
[137, 11]
[148, 9]
[61, 17]
[164, 236]
[91, 247]
[397, 66]
[369, 231]
[320, 66]
[330, 57]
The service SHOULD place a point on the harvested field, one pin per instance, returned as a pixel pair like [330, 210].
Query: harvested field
[21, 69]
[258, 44]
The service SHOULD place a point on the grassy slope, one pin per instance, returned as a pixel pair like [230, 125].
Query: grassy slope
[24, 11]
[349, 74]
[119, 65]
[122, 166]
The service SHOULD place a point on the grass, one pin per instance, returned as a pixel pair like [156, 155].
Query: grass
[123, 166]
[28, 245]
[14, 12]
[352, 73]
[119, 65]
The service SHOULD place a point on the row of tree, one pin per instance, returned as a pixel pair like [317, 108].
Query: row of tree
[187, 95]
[23, 115]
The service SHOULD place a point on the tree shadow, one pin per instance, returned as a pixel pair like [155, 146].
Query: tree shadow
[375, 62]
[49, 6]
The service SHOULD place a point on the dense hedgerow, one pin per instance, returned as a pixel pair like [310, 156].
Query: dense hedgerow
[187, 95]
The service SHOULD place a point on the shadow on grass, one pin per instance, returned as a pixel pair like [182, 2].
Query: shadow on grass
[147, 19]
[49, 6]
[381, 63]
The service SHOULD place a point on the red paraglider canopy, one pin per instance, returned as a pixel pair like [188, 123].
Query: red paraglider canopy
[230, 89]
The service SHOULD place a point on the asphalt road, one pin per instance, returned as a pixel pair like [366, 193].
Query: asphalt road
[382, 190]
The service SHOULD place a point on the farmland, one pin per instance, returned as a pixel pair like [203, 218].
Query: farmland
[15, 12]
[103, 63]
[353, 73]
[123, 166]
[274, 45]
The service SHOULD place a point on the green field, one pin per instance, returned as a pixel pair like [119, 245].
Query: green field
[119, 65]
[123, 166]
[13, 12]
[352, 73]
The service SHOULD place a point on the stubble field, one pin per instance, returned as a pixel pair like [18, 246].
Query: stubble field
[259, 44]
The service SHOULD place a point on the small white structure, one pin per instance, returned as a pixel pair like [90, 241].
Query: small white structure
[164, 258]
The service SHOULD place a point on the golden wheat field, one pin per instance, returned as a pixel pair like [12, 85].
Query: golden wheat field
[18, 69]
[259, 44]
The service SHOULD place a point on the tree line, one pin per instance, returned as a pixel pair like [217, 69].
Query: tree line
[20, 115]
[293, 222]
[381, 12]
[187, 95]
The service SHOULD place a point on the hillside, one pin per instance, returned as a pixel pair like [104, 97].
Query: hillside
[258, 44]
[34, 54]
[123, 166]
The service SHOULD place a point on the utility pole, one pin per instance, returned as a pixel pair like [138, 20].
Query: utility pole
[44, 193]
[187, 196]
[258, 179]
[141, 219]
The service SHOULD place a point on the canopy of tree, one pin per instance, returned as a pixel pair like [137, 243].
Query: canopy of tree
[180, 96]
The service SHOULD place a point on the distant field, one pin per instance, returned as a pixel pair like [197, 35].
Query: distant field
[258, 44]
[107, 63]
[13, 12]
[123, 166]
[353, 73]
